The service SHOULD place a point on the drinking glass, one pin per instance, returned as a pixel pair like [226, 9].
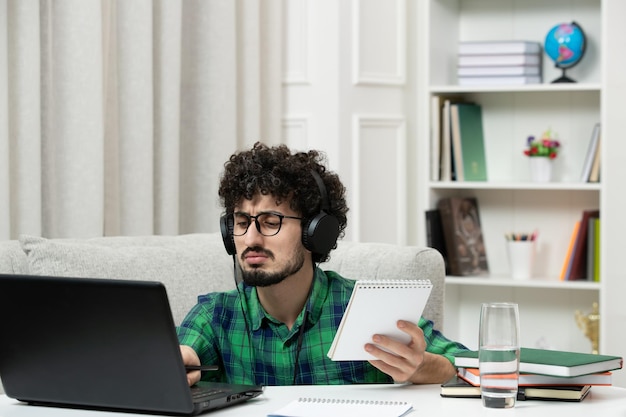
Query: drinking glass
[498, 354]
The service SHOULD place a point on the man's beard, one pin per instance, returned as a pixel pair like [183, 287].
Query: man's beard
[256, 277]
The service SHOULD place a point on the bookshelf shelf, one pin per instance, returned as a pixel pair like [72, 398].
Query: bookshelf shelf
[530, 283]
[495, 185]
[531, 88]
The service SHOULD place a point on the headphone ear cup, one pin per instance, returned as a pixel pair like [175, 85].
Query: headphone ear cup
[321, 233]
[226, 227]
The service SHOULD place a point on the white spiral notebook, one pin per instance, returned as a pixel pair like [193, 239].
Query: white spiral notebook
[374, 308]
[315, 407]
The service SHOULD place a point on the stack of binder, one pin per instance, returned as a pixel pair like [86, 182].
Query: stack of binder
[499, 63]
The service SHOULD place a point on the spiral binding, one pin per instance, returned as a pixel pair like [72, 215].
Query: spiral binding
[394, 283]
[311, 400]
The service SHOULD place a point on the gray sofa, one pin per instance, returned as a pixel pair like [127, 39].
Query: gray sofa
[194, 264]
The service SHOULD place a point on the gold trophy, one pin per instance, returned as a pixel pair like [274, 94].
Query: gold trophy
[590, 325]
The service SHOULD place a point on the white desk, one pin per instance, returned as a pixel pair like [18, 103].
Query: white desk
[602, 401]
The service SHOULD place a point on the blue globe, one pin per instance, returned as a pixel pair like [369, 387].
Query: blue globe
[565, 44]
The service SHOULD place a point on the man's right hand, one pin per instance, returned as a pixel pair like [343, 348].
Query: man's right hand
[190, 357]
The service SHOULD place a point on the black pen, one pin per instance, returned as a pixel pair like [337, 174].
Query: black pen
[201, 367]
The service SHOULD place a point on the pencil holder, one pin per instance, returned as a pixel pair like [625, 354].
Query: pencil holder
[521, 258]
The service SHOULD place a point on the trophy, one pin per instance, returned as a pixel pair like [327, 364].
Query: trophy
[590, 325]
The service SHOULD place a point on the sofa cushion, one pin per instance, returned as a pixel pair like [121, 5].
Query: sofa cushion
[12, 258]
[188, 265]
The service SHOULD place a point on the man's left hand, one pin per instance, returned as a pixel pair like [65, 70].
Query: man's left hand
[409, 362]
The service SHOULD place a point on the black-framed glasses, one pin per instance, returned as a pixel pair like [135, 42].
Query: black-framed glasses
[267, 223]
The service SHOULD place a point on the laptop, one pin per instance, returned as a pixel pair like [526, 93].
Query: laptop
[100, 344]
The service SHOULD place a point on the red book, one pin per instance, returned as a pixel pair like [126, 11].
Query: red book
[472, 375]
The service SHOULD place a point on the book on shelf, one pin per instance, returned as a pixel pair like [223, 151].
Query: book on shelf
[394, 300]
[468, 142]
[596, 255]
[455, 144]
[592, 149]
[436, 107]
[578, 268]
[594, 175]
[551, 362]
[446, 156]
[460, 221]
[457, 387]
[501, 60]
[567, 262]
[591, 249]
[472, 375]
[314, 407]
[498, 71]
[447, 168]
[500, 80]
[434, 235]
[499, 47]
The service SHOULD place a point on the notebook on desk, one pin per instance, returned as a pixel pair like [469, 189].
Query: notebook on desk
[98, 344]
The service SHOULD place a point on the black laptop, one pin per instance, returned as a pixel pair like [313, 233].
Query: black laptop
[99, 344]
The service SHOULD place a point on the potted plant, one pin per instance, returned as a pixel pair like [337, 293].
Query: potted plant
[541, 152]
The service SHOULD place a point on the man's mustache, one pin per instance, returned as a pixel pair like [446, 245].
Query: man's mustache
[258, 249]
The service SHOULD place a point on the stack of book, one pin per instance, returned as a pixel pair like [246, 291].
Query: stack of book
[544, 374]
[499, 63]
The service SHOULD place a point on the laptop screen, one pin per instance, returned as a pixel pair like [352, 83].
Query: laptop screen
[96, 343]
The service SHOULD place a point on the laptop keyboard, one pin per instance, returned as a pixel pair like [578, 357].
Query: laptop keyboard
[200, 393]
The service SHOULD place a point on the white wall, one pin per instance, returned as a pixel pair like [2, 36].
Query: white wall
[347, 81]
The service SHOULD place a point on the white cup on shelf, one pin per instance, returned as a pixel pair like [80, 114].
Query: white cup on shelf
[521, 258]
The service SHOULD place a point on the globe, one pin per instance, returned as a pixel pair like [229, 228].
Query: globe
[565, 45]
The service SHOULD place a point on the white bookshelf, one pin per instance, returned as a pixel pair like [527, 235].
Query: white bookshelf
[509, 201]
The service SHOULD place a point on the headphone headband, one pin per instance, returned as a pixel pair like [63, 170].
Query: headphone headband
[320, 185]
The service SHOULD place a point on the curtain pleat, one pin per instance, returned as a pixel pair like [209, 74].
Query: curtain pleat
[119, 115]
[72, 153]
[5, 167]
[167, 111]
[135, 116]
[24, 115]
[209, 116]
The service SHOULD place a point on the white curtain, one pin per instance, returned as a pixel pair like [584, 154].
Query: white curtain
[116, 116]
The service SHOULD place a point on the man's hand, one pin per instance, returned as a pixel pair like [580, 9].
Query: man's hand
[409, 362]
[190, 357]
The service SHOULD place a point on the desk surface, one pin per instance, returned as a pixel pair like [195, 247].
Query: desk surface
[602, 401]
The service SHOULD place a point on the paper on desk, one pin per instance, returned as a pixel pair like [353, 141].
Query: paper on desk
[316, 407]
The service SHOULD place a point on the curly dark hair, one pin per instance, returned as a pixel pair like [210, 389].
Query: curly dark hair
[278, 172]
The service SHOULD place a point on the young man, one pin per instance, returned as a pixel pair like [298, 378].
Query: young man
[283, 214]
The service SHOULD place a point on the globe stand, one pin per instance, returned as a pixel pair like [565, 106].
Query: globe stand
[563, 78]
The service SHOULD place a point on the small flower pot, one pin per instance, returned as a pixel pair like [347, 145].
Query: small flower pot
[540, 169]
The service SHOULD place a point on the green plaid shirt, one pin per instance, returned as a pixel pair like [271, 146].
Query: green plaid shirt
[251, 347]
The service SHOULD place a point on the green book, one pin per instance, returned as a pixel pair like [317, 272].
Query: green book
[596, 250]
[551, 362]
[472, 142]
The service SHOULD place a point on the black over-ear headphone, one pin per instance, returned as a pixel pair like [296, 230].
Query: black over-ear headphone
[319, 234]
